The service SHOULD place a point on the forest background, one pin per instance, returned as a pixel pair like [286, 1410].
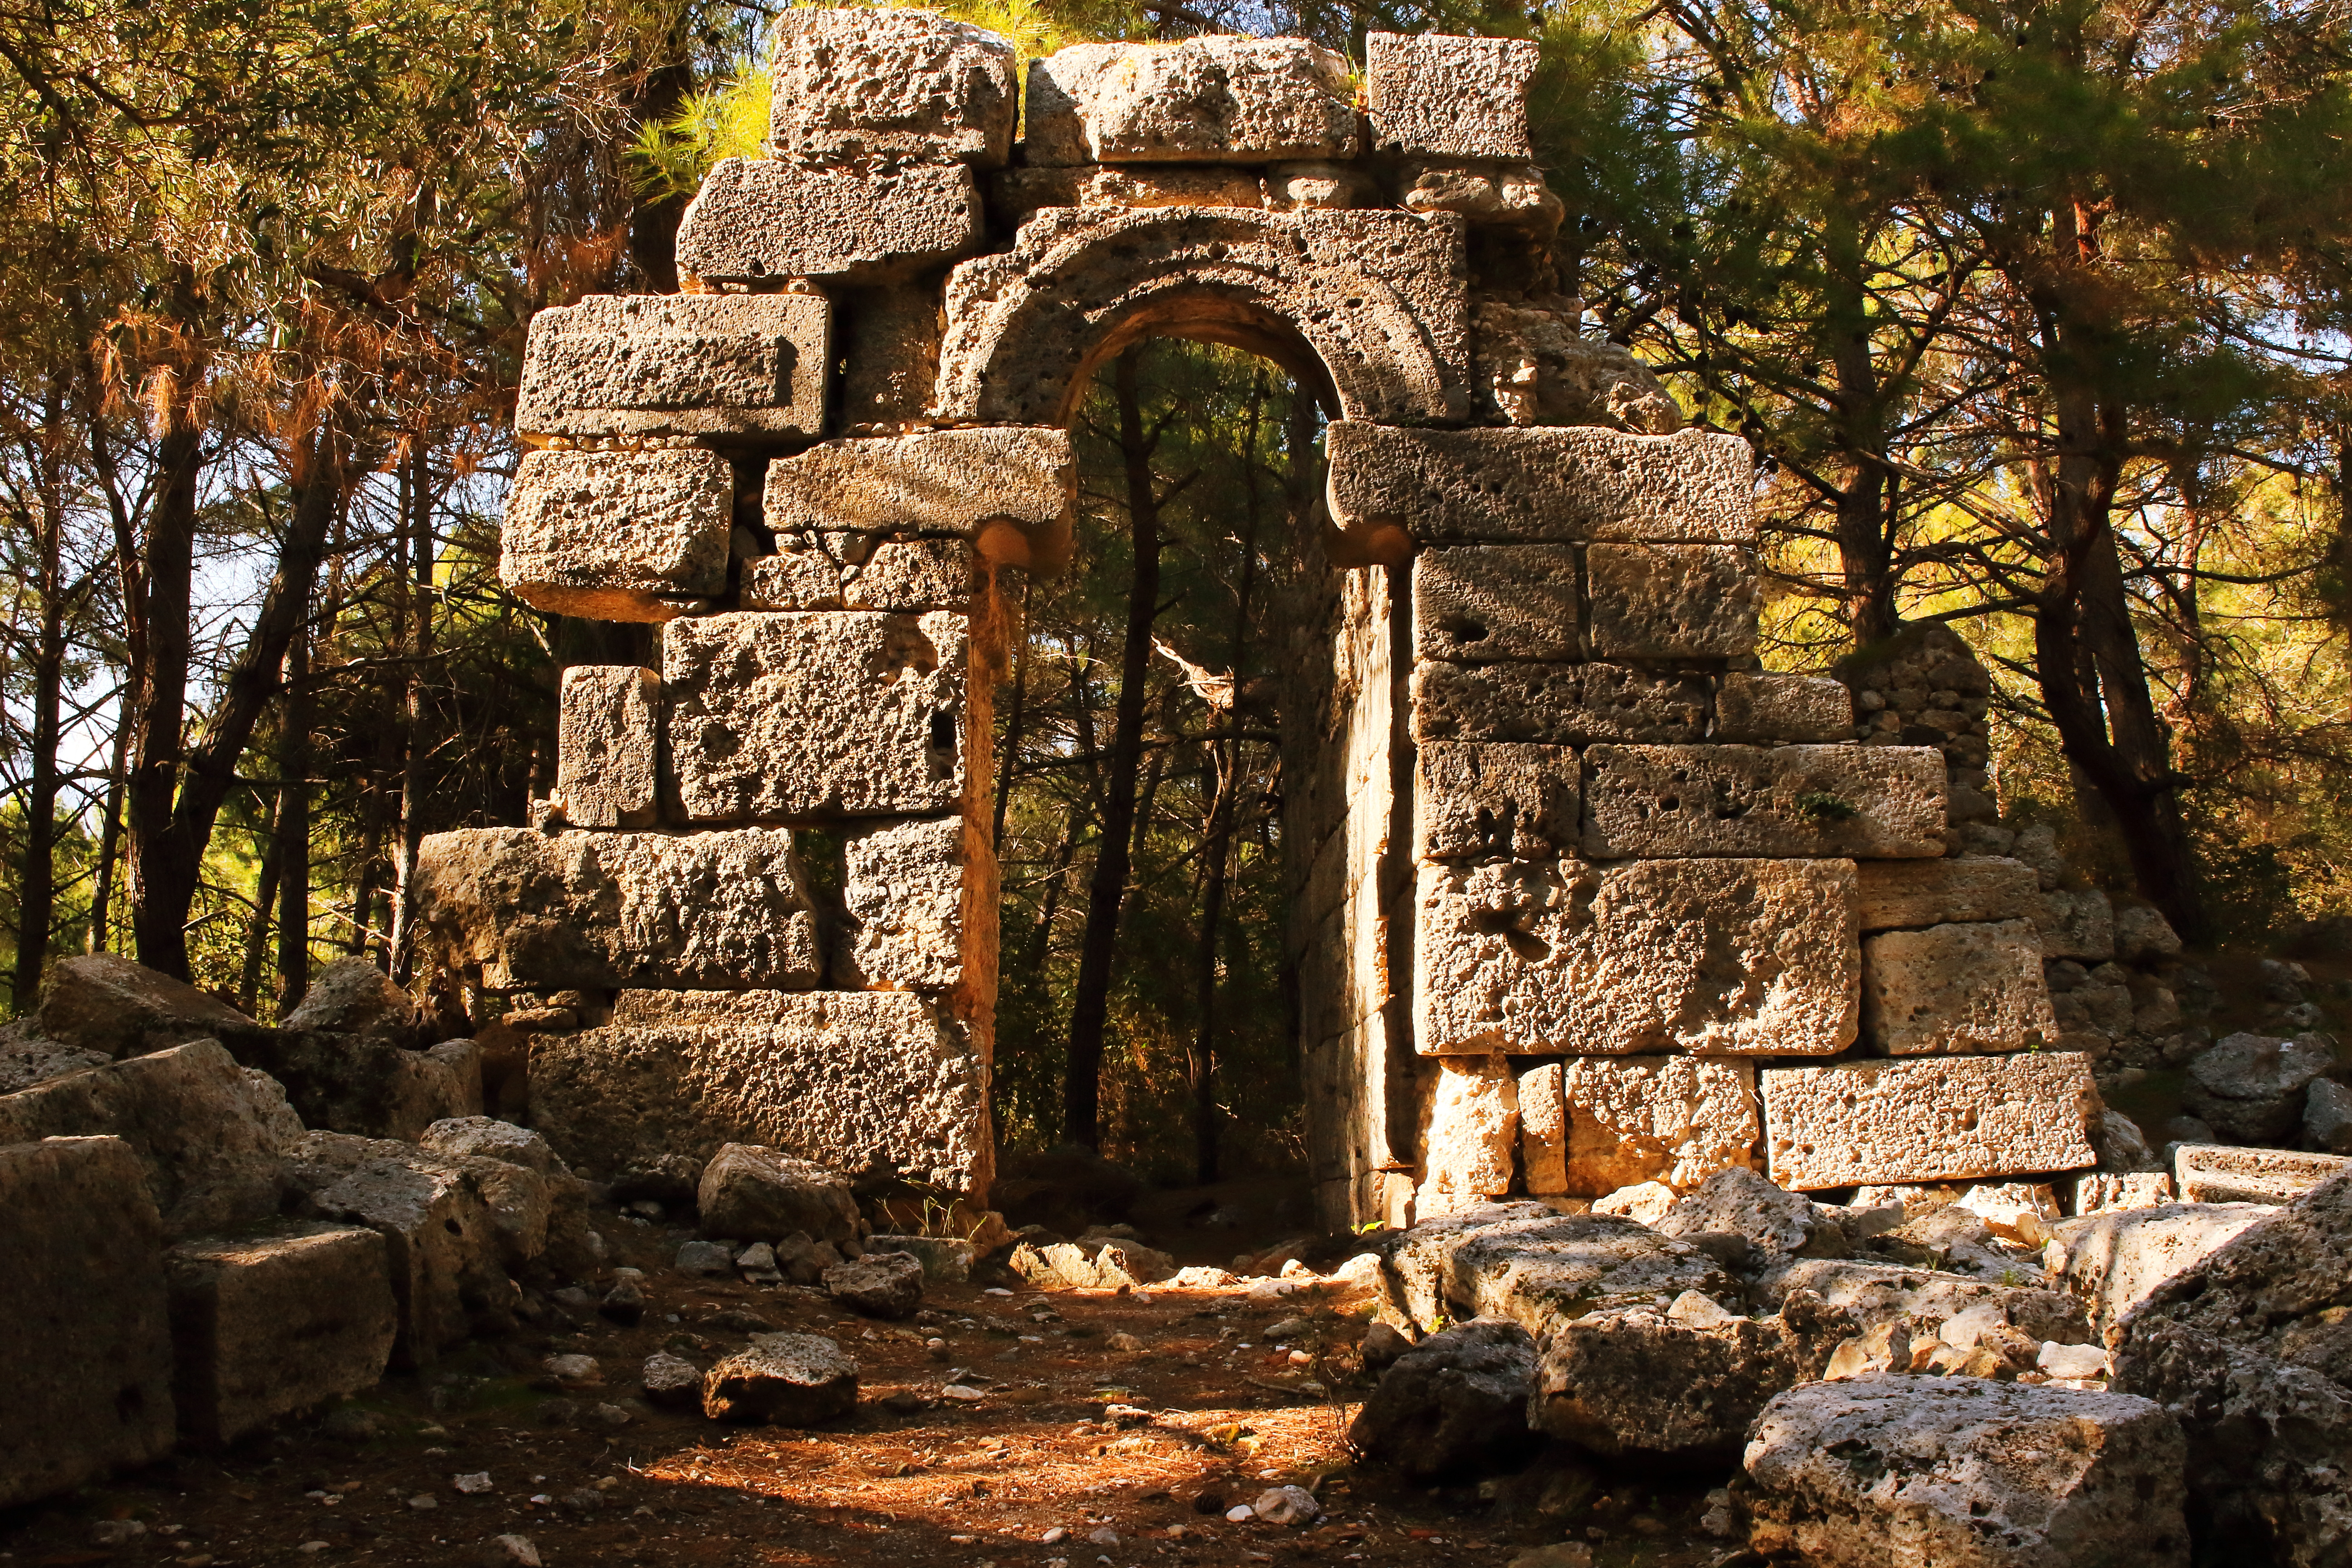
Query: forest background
[2034, 313]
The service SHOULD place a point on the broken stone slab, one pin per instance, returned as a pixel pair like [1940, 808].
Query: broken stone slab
[618, 536]
[1533, 365]
[352, 997]
[275, 1320]
[2101, 1191]
[1520, 1260]
[905, 890]
[719, 909]
[2218, 1173]
[481, 1138]
[441, 1240]
[756, 223]
[1934, 1120]
[1672, 600]
[1764, 710]
[1639, 1380]
[945, 1261]
[715, 365]
[364, 1084]
[2116, 1260]
[1454, 1405]
[1555, 704]
[904, 576]
[863, 88]
[1499, 196]
[1482, 602]
[1923, 1299]
[607, 745]
[1469, 1130]
[1089, 1264]
[877, 1285]
[2077, 923]
[1823, 801]
[754, 1194]
[1674, 1120]
[1449, 97]
[1735, 1201]
[86, 1359]
[1955, 988]
[1964, 1472]
[1478, 800]
[1216, 98]
[103, 1002]
[785, 716]
[1008, 489]
[783, 1380]
[28, 1057]
[2250, 1088]
[1534, 958]
[1907, 895]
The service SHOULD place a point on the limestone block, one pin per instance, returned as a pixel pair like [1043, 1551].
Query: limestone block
[1819, 801]
[440, 1238]
[1338, 186]
[1543, 1131]
[758, 222]
[275, 1320]
[1964, 1472]
[607, 736]
[1674, 601]
[723, 909]
[1949, 1119]
[866, 1083]
[1555, 704]
[2218, 1173]
[1169, 185]
[1007, 488]
[1460, 97]
[1724, 957]
[861, 571]
[1454, 1405]
[86, 1359]
[891, 359]
[2077, 923]
[1534, 365]
[676, 364]
[2251, 1088]
[859, 88]
[105, 1003]
[783, 1380]
[1509, 195]
[1955, 988]
[751, 1194]
[1767, 708]
[2116, 1260]
[1478, 800]
[1643, 1382]
[796, 715]
[1899, 895]
[1470, 1129]
[1542, 486]
[1522, 1262]
[2114, 1191]
[618, 536]
[905, 888]
[1924, 1300]
[1673, 1119]
[1218, 99]
[1478, 602]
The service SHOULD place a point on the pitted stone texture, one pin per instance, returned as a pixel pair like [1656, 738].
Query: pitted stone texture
[1379, 297]
[1923, 1300]
[861, 571]
[1947, 1118]
[1478, 800]
[1736, 1201]
[965, 484]
[1533, 365]
[862, 87]
[1964, 1472]
[1543, 1131]
[103, 1003]
[1555, 704]
[1773, 708]
[866, 1083]
[755, 222]
[784, 1380]
[439, 1233]
[891, 334]
[676, 364]
[2077, 923]
[1674, 1120]
[1479, 602]
[753, 1194]
[2249, 1089]
[1816, 801]
[618, 536]
[1218, 99]
[1955, 988]
[2116, 1260]
[607, 744]
[1674, 601]
[704, 910]
[1635, 1379]
[798, 715]
[905, 888]
[2216, 1173]
[1454, 1404]
[1457, 98]
[1503, 195]
[1542, 486]
[1722, 957]
[1906, 895]
[1469, 1131]
[1522, 1261]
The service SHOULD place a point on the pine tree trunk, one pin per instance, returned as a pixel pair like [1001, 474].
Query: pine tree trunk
[294, 830]
[264, 897]
[37, 880]
[417, 570]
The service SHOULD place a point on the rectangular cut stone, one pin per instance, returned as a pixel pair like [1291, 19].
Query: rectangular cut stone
[1007, 487]
[1976, 987]
[1898, 895]
[891, 362]
[1951, 1119]
[1810, 801]
[607, 738]
[1779, 708]
[908, 889]
[859, 85]
[866, 1083]
[719, 910]
[1555, 704]
[759, 222]
[1542, 485]
[849, 714]
[1449, 97]
[861, 571]
[1478, 800]
[1543, 1131]
[1675, 1119]
[677, 365]
[1479, 602]
[618, 536]
[1724, 957]
[2220, 1173]
[1469, 1132]
[1672, 600]
[1218, 99]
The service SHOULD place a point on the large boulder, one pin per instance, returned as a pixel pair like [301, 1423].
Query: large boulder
[104, 1003]
[352, 997]
[2250, 1088]
[1522, 1261]
[2115, 1260]
[750, 1192]
[1456, 1404]
[365, 1083]
[480, 1137]
[788, 1380]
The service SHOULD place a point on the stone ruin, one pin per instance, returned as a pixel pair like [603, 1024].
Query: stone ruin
[1579, 897]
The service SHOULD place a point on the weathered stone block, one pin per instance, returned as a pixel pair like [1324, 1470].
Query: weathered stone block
[1555, 704]
[1674, 1120]
[1639, 1381]
[1480, 602]
[785, 1380]
[1951, 1119]
[1747, 957]
[1217, 98]
[1674, 601]
[758, 222]
[2217, 1174]
[1480, 800]
[720, 910]
[1522, 1262]
[1898, 895]
[1454, 1405]
[1543, 1131]
[86, 1359]
[104, 1003]
[1511, 197]
[2116, 1260]
[1924, 1300]
[891, 334]
[440, 1238]
[1533, 365]
[1769, 708]
[1541, 486]
[1460, 97]
[799, 715]
[676, 364]
[1955, 988]
[607, 738]
[860, 88]
[753, 1194]
[1163, 186]
[1470, 1128]
[907, 889]
[1008, 489]
[2077, 923]
[861, 571]
[1817, 801]
[618, 536]
[276, 1320]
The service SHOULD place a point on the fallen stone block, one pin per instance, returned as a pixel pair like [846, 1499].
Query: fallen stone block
[859, 89]
[1821, 802]
[1941, 1119]
[1520, 1261]
[945, 1261]
[1674, 1120]
[2250, 1088]
[618, 536]
[754, 1194]
[1752, 709]
[2078, 923]
[1922, 1300]
[1454, 98]
[758, 222]
[1216, 98]
[1478, 800]
[441, 1241]
[1555, 704]
[2217, 1174]
[877, 1285]
[2143, 936]
[714, 366]
[353, 996]
[964, 484]
[355, 1083]
[783, 1380]
[103, 1002]
[1672, 600]
[607, 745]
[1955, 988]
[1909, 895]
[1454, 1405]
[28, 1057]
[906, 889]
[1774, 1223]
[1637, 1380]
[1480, 602]
[2115, 1261]
[2104, 1191]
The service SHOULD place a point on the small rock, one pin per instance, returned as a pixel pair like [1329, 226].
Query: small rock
[1054, 1537]
[902, 1401]
[1696, 1310]
[2072, 1361]
[625, 1303]
[511, 1551]
[672, 1381]
[962, 1392]
[790, 1380]
[1559, 1555]
[423, 1503]
[113, 1532]
[1287, 1505]
[558, 1412]
[2327, 1117]
[703, 1257]
[1717, 1518]
[614, 1416]
[1383, 1344]
[1646, 1202]
[1288, 1329]
[351, 1424]
[880, 1285]
[1240, 1513]
[576, 1369]
[1127, 1342]
[478, 1481]
[764, 1194]
[1103, 1535]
